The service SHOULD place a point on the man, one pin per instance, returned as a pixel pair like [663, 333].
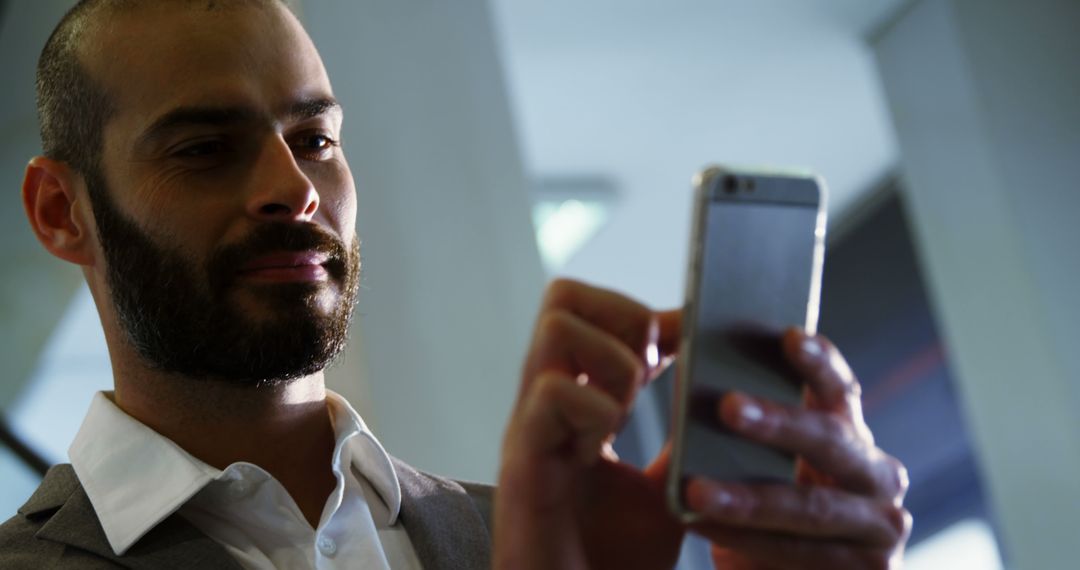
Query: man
[192, 169]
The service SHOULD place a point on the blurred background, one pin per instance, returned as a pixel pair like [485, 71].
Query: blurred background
[497, 144]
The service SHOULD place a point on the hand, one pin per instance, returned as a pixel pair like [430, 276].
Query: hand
[561, 504]
[845, 512]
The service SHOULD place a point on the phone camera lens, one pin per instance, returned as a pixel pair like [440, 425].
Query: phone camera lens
[730, 184]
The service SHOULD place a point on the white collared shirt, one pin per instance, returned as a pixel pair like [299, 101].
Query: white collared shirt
[135, 478]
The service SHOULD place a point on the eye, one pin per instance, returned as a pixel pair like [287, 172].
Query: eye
[201, 149]
[313, 146]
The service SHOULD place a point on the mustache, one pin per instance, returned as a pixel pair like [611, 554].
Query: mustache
[273, 238]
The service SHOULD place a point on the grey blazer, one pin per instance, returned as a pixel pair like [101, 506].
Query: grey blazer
[448, 523]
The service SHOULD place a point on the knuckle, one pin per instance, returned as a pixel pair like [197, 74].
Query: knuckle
[641, 326]
[635, 369]
[832, 429]
[907, 523]
[899, 520]
[903, 481]
[837, 435]
[842, 449]
[560, 291]
[549, 387]
[554, 324]
[820, 505]
[852, 386]
[836, 369]
[621, 381]
[897, 474]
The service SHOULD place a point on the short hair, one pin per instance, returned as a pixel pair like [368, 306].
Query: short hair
[73, 107]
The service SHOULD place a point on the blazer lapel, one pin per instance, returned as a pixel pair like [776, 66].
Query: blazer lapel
[174, 543]
[444, 525]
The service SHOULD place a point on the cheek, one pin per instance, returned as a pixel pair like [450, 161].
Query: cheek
[185, 212]
[337, 196]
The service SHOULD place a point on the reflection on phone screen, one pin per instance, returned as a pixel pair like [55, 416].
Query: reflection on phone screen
[757, 264]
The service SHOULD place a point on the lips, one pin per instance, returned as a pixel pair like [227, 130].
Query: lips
[287, 266]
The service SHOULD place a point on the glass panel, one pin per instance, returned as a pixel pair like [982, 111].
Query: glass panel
[73, 366]
[19, 483]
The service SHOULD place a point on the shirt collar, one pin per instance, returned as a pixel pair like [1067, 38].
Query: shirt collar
[135, 477]
[357, 445]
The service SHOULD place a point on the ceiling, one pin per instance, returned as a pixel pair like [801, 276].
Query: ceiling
[643, 94]
[631, 89]
[625, 87]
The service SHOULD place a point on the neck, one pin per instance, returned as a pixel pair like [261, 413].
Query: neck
[284, 429]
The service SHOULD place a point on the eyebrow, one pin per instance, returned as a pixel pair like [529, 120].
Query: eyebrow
[311, 108]
[226, 116]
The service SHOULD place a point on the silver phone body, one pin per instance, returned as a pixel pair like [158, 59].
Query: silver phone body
[756, 254]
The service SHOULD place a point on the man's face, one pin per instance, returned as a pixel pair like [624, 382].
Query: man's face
[225, 208]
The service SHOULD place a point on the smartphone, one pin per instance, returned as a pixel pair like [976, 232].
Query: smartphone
[756, 254]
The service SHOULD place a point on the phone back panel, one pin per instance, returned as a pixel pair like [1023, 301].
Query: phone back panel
[755, 270]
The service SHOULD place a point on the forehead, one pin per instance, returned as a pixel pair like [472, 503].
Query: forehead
[176, 54]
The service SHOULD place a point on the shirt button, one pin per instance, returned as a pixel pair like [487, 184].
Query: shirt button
[327, 546]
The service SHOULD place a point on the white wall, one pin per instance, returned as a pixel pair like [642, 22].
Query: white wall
[984, 95]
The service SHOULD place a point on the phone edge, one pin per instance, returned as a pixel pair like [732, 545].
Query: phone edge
[703, 183]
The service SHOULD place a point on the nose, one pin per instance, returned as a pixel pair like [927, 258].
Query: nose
[281, 191]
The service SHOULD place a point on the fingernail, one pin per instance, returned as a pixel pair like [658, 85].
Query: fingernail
[721, 499]
[652, 355]
[608, 451]
[740, 412]
[718, 498]
[751, 412]
[811, 347]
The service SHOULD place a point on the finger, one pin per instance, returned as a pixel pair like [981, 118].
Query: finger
[736, 548]
[632, 323]
[828, 377]
[814, 512]
[561, 417]
[829, 444]
[730, 559]
[619, 511]
[657, 470]
[568, 344]
[670, 323]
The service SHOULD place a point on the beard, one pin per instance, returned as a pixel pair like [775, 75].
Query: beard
[178, 316]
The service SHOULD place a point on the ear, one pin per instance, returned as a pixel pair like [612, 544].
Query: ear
[50, 196]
